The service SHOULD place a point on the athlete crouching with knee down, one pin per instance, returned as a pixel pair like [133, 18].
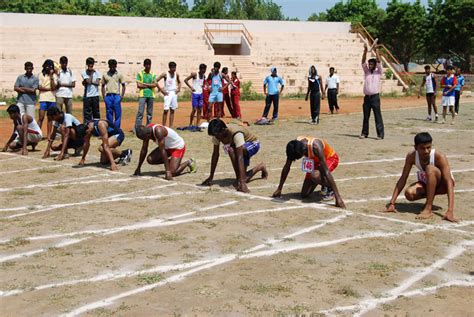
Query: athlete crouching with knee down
[241, 145]
[111, 138]
[25, 131]
[434, 178]
[170, 150]
[319, 160]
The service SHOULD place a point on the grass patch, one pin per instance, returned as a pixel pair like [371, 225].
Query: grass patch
[20, 192]
[263, 289]
[379, 269]
[47, 170]
[147, 279]
[347, 291]
[169, 237]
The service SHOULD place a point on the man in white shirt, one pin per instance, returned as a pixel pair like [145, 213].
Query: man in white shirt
[66, 83]
[332, 87]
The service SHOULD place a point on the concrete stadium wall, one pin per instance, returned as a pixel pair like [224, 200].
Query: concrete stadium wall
[290, 46]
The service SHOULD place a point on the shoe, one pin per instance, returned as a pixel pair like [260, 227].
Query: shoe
[78, 151]
[324, 190]
[436, 118]
[192, 166]
[126, 157]
[362, 136]
[329, 195]
[379, 138]
[428, 118]
[455, 113]
[313, 122]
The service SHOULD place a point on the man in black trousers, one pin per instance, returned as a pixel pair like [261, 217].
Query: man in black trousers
[372, 77]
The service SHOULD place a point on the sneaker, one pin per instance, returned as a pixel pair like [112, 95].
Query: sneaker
[324, 190]
[192, 166]
[313, 122]
[362, 136]
[128, 158]
[428, 118]
[329, 195]
[455, 113]
[436, 118]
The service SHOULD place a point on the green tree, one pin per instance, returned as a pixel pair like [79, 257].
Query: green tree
[403, 29]
[322, 16]
[450, 28]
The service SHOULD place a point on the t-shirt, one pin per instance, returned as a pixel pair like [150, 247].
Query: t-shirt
[92, 90]
[66, 78]
[112, 82]
[216, 84]
[27, 82]
[450, 81]
[460, 80]
[372, 80]
[332, 81]
[68, 121]
[272, 84]
[45, 82]
[146, 78]
[430, 84]
[238, 136]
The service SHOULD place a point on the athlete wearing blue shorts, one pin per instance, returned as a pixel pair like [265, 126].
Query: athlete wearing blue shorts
[197, 99]
[111, 138]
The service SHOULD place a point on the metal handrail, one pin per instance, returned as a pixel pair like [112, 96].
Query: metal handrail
[209, 28]
[388, 57]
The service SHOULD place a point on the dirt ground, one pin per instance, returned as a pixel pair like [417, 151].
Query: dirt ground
[87, 241]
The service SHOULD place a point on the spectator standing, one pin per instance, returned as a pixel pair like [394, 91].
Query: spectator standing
[26, 85]
[270, 89]
[48, 81]
[112, 81]
[315, 91]
[332, 88]
[458, 89]
[66, 82]
[91, 82]
[146, 83]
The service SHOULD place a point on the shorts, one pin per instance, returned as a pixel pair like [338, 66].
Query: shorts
[29, 109]
[120, 137]
[252, 148]
[176, 153]
[30, 138]
[430, 94]
[219, 97]
[171, 101]
[197, 100]
[447, 101]
[332, 162]
[74, 143]
[45, 105]
[67, 102]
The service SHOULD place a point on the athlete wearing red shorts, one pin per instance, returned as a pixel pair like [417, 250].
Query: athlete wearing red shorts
[170, 150]
[319, 160]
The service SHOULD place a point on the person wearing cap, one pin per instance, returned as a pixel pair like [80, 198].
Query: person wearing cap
[270, 89]
[91, 81]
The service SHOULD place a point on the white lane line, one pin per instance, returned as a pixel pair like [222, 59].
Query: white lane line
[116, 275]
[387, 198]
[31, 169]
[338, 180]
[369, 304]
[222, 260]
[158, 222]
[15, 256]
[70, 181]
[54, 206]
[232, 202]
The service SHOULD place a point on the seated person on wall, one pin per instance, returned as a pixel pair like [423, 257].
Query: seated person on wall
[111, 138]
[170, 150]
[434, 178]
[240, 144]
[319, 161]
[25, 131]
[67, 125]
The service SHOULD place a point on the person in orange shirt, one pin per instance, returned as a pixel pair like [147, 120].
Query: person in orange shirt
[319, 160]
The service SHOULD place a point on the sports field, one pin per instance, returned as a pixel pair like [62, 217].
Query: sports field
[87, 241]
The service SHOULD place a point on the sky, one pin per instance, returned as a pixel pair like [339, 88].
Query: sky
[302, 9]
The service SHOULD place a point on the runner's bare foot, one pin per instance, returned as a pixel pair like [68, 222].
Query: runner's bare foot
[424, 215]
[448, 216]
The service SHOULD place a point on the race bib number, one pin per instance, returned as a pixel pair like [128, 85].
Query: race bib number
[307, 165]
[227, 148]
[421, 177]
[216, 82]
